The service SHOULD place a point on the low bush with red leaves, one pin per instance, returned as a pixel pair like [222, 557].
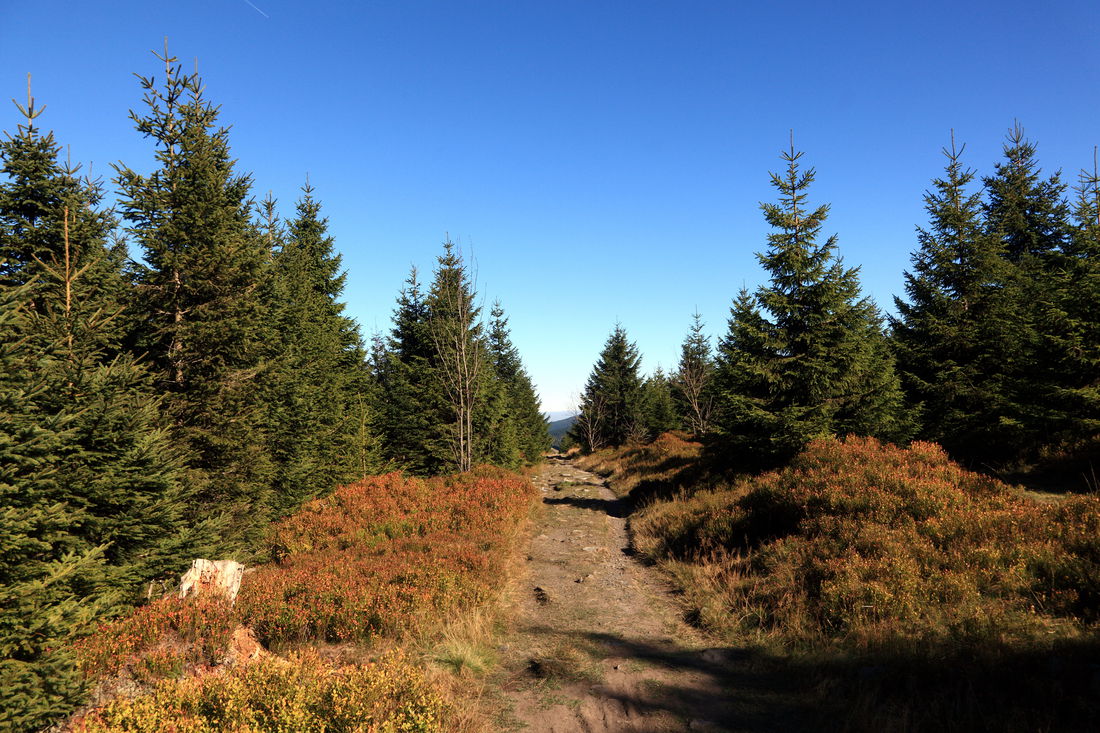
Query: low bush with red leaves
[387, 555]
[860, 539]
[159, 639]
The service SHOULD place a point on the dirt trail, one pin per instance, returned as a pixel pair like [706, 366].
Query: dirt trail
[599, 642]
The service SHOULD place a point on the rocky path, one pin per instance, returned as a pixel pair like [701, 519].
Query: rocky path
[599, 643]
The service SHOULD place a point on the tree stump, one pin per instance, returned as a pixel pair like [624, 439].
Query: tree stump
[206, 577]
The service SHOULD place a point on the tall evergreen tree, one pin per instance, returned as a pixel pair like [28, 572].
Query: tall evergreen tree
[985, 339]
[524, 414]
[611, 406]
[319, 374]
[459, 356]
[658, 407]
[1081, 349]
[200, 296]
[1028, 215]
[410, 407]
[112, 491]
[1069, 359]
[805, 355]
[949, 333]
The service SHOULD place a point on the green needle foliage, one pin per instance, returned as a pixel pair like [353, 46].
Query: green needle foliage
[805, 355]
[450, 392]
[693, 381]
[41, 566]
[521, 417]
[410, 399]
[199, 297]
[459, 358]
[659, 413]
[1076, 350]
[997, 339]
[318, 370]
[92, 492]
[947, 338]
[611, 410]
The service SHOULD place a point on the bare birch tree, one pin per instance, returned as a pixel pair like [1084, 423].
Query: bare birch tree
[692, 380]
[455, 333]
[589, 425]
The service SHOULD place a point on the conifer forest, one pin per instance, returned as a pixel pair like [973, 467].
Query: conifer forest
[830, 514]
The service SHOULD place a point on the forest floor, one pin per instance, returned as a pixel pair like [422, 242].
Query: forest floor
[598, 642]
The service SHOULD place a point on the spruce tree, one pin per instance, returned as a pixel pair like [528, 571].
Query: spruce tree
[318, 373]
[1029, 217]
[804, 355]
[611, 406]
[658, 407]
[200, 297]
[525, 418]
[459, 358]
[110, 489]
[1072, 348]
[955, 332]
[410, 406]
[44, 568]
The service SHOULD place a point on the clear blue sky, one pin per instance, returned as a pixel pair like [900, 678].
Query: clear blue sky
[601, 161]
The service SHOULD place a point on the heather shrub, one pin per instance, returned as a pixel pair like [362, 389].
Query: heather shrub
[159, 639]
[863, 541]
[387, 555]
[303, 693]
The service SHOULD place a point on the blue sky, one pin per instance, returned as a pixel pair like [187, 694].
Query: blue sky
[599, 161]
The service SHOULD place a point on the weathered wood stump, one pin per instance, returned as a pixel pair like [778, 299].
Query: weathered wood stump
[206, 577]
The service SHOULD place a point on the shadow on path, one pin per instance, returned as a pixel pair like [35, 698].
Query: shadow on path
[720, 688]
[612, 507]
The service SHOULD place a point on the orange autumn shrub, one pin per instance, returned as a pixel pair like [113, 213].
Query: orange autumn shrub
[159, 639]
[860, 540]
[303, 693]
[386, 555]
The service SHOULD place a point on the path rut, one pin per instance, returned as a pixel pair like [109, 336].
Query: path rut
[599, 642]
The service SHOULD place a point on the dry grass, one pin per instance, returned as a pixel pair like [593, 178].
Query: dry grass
[650, 470]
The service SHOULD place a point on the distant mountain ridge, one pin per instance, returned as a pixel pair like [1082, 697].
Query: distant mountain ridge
[558, 429]
[555, 415]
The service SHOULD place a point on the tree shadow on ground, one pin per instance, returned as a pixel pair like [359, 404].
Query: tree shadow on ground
[612, 507]
[728, 688]
[912, 688]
